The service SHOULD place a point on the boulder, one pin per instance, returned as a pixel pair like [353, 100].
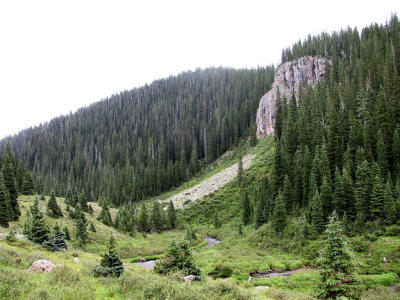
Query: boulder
[262, 287]
[189, 278]
[142, 259]
[41, 266]
[77, 260]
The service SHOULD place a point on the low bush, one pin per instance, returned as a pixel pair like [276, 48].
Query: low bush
[221, 271]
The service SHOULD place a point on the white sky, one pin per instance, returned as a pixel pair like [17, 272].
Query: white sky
[57, 56]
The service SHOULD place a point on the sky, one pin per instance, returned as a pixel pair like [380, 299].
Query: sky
[57, 56]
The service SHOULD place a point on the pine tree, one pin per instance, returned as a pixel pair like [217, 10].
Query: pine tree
[57, 241]
[81, 236]
[339, 197]
[381, 151]
[156, 217]
[326, 198]
[246, 212]
[390, 210]
[287, 194]
[260, 218]
[105, 216]
[217, 222]
[27, 185]
[37, 227]
[349, 195]
[337, 279]
[83, 201]
[9, 176]
[143, 220]
[240, 170]
[363, 189]
[171, 215]
[4, 205]
[377, 199]
[111, 264]
[316, 213]
[279, 220]
[69, 196]
[92, 228]
[53, 210]
[396, 151]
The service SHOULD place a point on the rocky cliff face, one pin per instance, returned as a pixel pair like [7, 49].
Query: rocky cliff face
[289, 78]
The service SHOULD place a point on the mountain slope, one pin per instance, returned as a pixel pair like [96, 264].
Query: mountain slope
[142, 142]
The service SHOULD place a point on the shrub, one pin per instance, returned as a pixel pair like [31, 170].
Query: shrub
[371, 237]
[221, 271]
[10, 238]
[359, 244]
[178, 258]
[111, 264]
[393, 230]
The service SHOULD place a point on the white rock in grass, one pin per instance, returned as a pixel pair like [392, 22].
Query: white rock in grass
[77, 260]
[41, 266]
[190, 278]
[262, 287]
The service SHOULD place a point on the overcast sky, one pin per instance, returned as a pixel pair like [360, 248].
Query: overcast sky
[57, 56]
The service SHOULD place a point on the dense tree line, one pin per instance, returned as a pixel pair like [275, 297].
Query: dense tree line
[144, 141]
[338, 146]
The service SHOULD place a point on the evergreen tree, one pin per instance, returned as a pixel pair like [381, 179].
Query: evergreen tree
[92, 228]
[143, 220]
[111, 264]
[171, 215]
[105, 216]
[11, 236]
[37, 229]
[246, 212]
[326, 198]
[217, 222]
[381, 151]
[156, 217]
[240, 170]
[69, 197]
[27, 185]
[53, 210]
[316, 213]
[81, 236]
[377, 199]
[4, 205]
[363, 188]
[349, 195]
[390, 209]
[83, 201]
[337, 272]
[57, 241]
[287, 194]
[260, 219]
[339, 196]
[9, 176]
[279, 220]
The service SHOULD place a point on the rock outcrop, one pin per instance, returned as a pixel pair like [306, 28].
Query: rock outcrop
[290, 77]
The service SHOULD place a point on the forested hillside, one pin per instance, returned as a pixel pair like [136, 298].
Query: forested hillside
[144, 141]
[338, 149]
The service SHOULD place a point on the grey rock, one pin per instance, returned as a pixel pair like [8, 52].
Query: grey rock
[262, 287]
[41, 266]
[77, 260]
[289, 78]
[189, 278]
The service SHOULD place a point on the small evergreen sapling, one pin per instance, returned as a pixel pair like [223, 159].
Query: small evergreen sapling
[111, 264]
[53, 209]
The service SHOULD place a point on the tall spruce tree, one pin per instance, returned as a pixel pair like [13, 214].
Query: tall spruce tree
[390, 209]
[53, 209]
[246, 211]
[143, 219]
[363, 189]
[105, 215]
[287, 194]
[57, 241]
[171, 215]
[37, 228]
[9, 176]
[337, 271]
[377, 199]
[279, 220]
[316, 214]
[81, 235]
[4, 205]
[156, 217]
[326, 198]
